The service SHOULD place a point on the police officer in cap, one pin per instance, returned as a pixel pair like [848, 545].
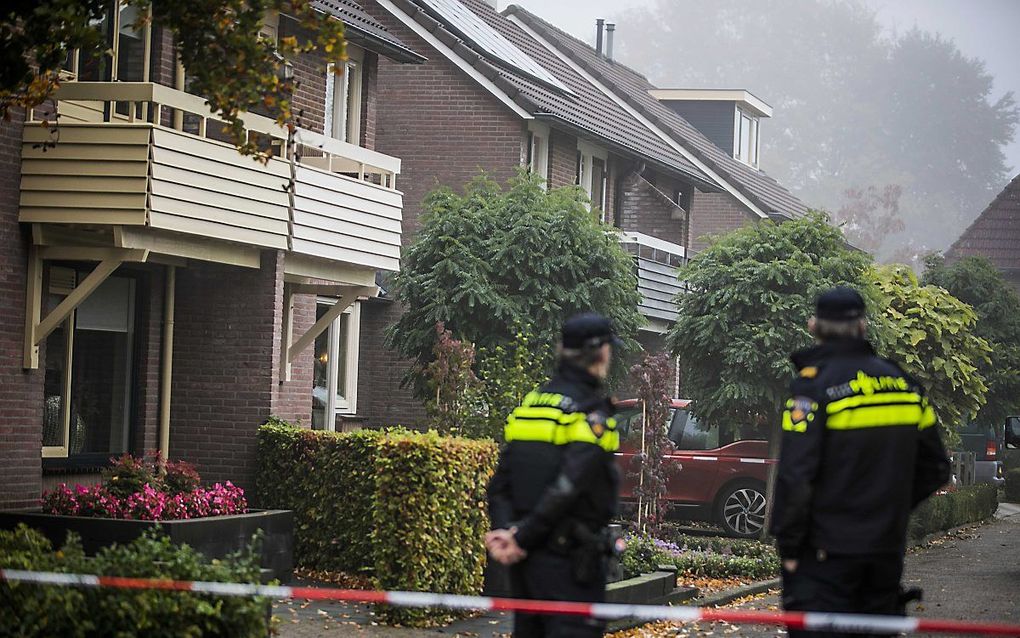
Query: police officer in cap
[556, 486]
[860, 449]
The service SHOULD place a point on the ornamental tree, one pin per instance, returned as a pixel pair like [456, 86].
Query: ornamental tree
[750, 296]
[651, 377]
[931, 334]
[493, 262]
[975, 281]
[217, 40]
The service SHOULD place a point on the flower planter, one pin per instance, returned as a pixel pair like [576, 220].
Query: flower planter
[213, 536]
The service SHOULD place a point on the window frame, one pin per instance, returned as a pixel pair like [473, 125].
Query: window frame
[353, 81]
[537, 159]
[338, 404]
[70, 328]
[748, 131]
[586, 152]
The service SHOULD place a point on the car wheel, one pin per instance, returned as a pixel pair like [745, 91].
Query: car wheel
[741, 510]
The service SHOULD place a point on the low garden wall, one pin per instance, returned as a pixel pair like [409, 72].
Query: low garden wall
[406, 508]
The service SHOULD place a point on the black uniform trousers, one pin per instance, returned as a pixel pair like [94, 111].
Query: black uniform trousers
[546, 575]
[856, 584]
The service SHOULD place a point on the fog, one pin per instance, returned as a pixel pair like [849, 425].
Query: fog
[911, 94]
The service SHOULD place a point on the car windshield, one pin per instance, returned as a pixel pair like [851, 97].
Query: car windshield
[687, 434]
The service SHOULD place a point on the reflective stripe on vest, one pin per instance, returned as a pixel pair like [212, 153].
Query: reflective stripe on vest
[552, 425]
[883, 409]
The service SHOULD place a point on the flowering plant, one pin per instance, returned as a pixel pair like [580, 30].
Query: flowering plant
[171, 491]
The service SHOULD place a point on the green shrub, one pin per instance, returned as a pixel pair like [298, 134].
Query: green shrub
[430, 516]
[1013, 485]
[44, 610]
[408, 507]
[941, 512]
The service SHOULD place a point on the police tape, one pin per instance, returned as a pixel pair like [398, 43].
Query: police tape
[814, 621]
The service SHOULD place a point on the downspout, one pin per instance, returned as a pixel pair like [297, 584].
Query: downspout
[167, 361]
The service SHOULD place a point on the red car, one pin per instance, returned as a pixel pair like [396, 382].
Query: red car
[715, 477]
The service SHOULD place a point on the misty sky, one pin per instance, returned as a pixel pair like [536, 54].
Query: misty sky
[985, 29]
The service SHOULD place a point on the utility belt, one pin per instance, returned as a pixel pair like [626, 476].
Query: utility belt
[590, 550]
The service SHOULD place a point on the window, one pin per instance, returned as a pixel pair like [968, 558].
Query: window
[591, 174]
[537, 151]
[89, 360]
[128, 43]
[598, 186]
[335, 367]
[745, 138]
[688, 434]
[343, 100]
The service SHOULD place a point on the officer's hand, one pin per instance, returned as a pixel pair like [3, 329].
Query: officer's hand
[790, 565]
[503, 546]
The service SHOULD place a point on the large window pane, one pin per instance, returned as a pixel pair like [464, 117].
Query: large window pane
[94, 64]
[130, 47]
[320, 375]
[341, 360]
[55, 380]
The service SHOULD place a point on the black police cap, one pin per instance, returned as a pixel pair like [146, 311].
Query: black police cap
[588, 330]
[841, 303]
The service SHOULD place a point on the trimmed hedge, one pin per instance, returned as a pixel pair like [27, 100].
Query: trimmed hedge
[40, 610]
[707, 557]
[405, 506]
[1012, 494]
[940, 512]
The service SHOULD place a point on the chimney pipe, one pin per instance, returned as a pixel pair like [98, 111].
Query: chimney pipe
[598, 35]
[610, 28]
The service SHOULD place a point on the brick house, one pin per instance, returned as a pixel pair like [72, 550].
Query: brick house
[504, 90]
[161, 290]
[995, 234]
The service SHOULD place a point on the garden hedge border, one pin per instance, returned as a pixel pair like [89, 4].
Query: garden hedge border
[407, 507]
[940, 512]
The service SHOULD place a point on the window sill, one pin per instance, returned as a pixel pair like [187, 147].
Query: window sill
[76, 464]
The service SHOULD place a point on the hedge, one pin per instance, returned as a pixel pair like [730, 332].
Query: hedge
[940, 512]
[407, 507]
[40, 610]
[710, 558]
[1012, 494]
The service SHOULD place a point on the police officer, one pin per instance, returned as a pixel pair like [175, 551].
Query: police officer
[860, 449]
[556, 486]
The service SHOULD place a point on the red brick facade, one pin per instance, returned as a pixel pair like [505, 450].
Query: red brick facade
[714, 214]
[562, 159]
[645, 207]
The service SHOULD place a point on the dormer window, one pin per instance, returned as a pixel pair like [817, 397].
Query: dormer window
[745, 142]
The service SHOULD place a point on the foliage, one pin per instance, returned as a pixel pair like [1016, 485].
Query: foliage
[856, 105]
[752, 292]
[931, 334]
[651, 377]
[454, 403]
[430, 517]
[407, 507]
[645, 553]
[493, 261]
[870, 216]
[33, 610]
[217, 40]
[1012, 492]
[147, 488]
[973, 280]
[328, 479]
[946, 510]
[508, 372]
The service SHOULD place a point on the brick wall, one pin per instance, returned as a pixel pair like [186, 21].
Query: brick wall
[21, 392]
[226, 355]
[293, 400]
[715, 213]
[369, 99]
[644, 210]
[148, 355]
[164, 57]
[562, 159]
[381, 400]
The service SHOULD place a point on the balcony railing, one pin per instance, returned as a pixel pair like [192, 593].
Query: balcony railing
[656, 262]
[143, 154]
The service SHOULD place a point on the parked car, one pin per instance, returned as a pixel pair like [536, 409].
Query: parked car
[715, 476]
[985, 442]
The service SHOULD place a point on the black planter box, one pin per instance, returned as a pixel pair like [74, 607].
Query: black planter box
[213, 536]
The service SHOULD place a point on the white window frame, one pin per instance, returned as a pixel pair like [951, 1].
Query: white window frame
[589, 151]
[346, 403]
[739, 116]
[348, 109]
[539, 151]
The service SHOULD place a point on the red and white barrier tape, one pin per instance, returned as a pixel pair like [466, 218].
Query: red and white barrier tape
[850, 623]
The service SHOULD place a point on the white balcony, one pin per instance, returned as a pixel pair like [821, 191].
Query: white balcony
[141, 159]
[656, 262]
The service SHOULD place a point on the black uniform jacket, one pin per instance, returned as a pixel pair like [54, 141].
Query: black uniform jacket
[558, 464]
[860, 448]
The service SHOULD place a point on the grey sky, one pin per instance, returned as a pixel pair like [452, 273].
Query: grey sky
[985, 29]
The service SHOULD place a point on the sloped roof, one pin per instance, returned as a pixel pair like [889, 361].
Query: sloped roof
[584, 109]
[364, 30]
[633, 88]
[995, 233]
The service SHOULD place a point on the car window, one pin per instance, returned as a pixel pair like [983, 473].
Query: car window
[688, 434]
